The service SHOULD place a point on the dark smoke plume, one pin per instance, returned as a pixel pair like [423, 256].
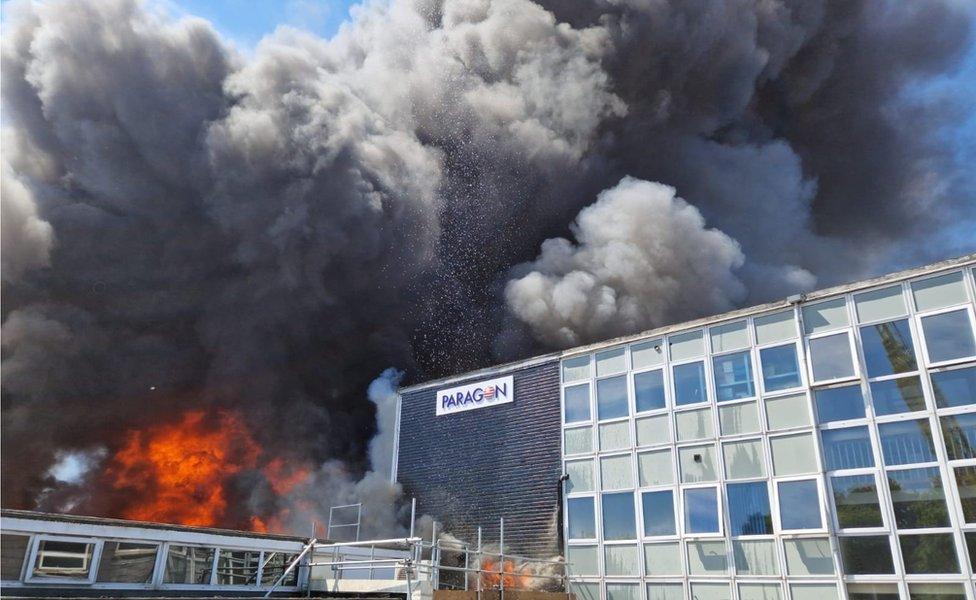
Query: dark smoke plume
[185, 226]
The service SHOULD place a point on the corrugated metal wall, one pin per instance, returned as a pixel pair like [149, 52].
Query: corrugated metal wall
[470, 468]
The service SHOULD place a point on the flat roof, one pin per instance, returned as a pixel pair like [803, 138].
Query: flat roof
[844, 288]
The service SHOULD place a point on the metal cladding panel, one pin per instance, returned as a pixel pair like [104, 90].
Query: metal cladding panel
[471, 468]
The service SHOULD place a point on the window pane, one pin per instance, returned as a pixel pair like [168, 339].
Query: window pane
[749, 512]
[787, 411]
[686, 345]
[620, 560]
[918, 498]
[188, 564]
[582, 523]
[730, 336]
[743, 459]
[906, 442]
[959, 433]
[866, 555]
[616, 472]
[707, 558]
[820, 591]
[711, 591]
[760, 591]
[872, 591]
[779, 367]
[610, 362]
[948, 336]
[577, 401]
[966, 484]
[808, 556]
[932, 553]
[971, 548]
[936, 591]
[697, 464]
[954, 388]
[580, 476]
[848, 448]
[831, 357]
[611, 397]
[13, 551]
[655, 468]
[584, 590]
[646, 354]
[755, 557]
[738, 418]
[880, 304]
[614, 436]
[733, 376]
[701, 510]
[801, 501]
[662, 559]
[664, 591]
[658, 510]
[578, 440]
[824, 316]
[649, 390]
[63, 560]
[619, 521]
[623, 591]
[237, 567]
[575, 369]
[123, 562]
[689, 384]
[793, 454]
[694, 424]
[584, 561]
[938, 292]
[888, 348]
[897, 396]
[653, 430]
[275, 564]
[856, 501]
[839, 403]
[776, 327]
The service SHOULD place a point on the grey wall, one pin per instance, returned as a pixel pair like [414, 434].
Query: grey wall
[468, 469]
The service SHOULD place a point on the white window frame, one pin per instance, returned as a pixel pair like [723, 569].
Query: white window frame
[35, 547]
[855, 363]
[918, 317]
[719, 514]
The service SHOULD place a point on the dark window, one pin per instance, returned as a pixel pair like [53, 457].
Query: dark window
[275, 564]
[733, 376]
[649, 390]
[582, 522]
[123, 562]
[948, 336]
[888, 348]
[866, 555]
[856, 501]
[63, 560]
[689, 384]
[237, 567]
[894, 396]
[931, 553]
[13, 551]
[801, 502]
[619, 519]
[954, 388]
[611, 397]
[966, 484]
[918, 498]
[749, 512]
[577, 401]
[658, 513]
[839, 403]
[188, 564]
[779, 368]
[971, 547]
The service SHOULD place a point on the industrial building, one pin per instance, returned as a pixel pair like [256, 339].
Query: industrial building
[816, 448]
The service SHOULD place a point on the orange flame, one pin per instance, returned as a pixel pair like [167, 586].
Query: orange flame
[494, 575]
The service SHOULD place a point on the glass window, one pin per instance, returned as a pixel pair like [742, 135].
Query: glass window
[689, 384]
[578, 440]
[275, 564]
[655, 468]
[649, 390]
[646, 354]
[124, 562]
[959, 433]
[872, 591]
[580, 476]
[831, 357]
[623, 591]
[825, 316]
[701, 510]
[856, 501]
[707, 558]
[894, 396]
[808, 556]
[619, 521]
[63, 560]
[658, 510]
[237, 567]
[614, 436]
[930, 553]
[918, 498]
[818, 591]
[730, 336]
[948, 336]
[694, 424]
[585, 590]
[939, 292]
[777, 327]
[575, 369]
[966, 484]
[760, 591]
[620, 560]
[188, 564]
[839, 403]
[738, 418]
[787, 411]
[13, 551]
[848, 448]
[954, 388]
[755, 557]
[611, 397]
[697, 464]
[662, 559]
[936, 591]
[793, 454]
[611, 361]
[801, 501]
[733, 376]
[906, 442]
[779, 367]
[875, 305]
[971, 548]
[653, 430]
[749, 512]
[888, 348]
[664, 591]
[743, 459]
[866, 555]
[584, 561]
[686, 345]
[577, 401]
[616, 472]
[582, 523]
[710, 591]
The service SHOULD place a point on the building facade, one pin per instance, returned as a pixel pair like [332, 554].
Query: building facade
[816, 448]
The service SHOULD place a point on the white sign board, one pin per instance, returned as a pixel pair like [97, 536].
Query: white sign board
[491, 392]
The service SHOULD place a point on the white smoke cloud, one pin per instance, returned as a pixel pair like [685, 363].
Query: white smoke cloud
[642, 257]
[26, 238]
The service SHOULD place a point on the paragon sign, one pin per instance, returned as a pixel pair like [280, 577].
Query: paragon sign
[500, 390]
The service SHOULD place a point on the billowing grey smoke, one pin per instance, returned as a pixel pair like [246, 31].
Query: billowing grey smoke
[185, 226]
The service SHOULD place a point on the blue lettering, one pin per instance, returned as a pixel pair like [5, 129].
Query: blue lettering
[501, 389]
[479, 395]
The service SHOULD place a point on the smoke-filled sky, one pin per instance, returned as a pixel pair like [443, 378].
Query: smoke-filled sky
[191, 223]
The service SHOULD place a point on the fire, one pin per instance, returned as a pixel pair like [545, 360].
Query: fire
[514, 578]
[284, 477]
